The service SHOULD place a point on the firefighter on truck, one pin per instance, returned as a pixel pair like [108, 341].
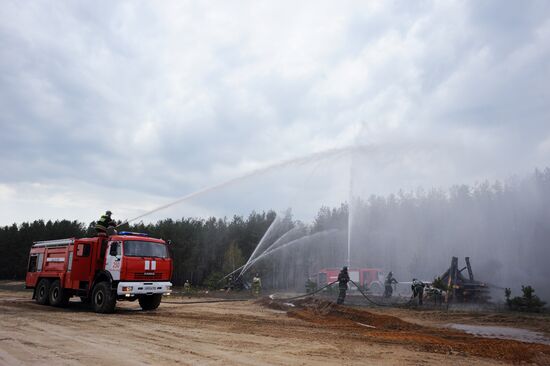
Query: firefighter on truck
[105, 223]
[100, 270]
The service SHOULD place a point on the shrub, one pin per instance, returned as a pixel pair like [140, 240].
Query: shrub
[528, 302]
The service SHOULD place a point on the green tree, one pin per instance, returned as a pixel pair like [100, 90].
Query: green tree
[527, 302]
[233, 258]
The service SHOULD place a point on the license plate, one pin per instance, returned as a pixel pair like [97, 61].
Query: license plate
[149, 288]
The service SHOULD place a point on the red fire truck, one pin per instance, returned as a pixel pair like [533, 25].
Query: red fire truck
[100, 270]
[371, 279]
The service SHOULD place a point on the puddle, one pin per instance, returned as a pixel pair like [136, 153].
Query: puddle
[517, 334]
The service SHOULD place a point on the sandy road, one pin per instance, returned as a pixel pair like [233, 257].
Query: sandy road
[231, 333]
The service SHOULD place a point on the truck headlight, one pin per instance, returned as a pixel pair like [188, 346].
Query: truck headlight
[168, 288]
[127, 288]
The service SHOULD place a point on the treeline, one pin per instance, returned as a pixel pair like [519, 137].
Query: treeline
[503, 226]
[16, 240]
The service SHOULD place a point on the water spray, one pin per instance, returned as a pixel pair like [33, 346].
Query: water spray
[262, 240]
[268, 251]
[350, 218]
[293, 242]
[285, 163]
[295, 161]
[281, 238]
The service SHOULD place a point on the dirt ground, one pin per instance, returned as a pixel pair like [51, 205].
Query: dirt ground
[250, 333]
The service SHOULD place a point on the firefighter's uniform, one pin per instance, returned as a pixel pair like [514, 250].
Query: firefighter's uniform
[187, 288]
[256, 285]
[388, 290]
[417, 288]
[104, 223]
[343, 279]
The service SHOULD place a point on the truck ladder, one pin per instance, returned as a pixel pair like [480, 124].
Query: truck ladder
[53, 243]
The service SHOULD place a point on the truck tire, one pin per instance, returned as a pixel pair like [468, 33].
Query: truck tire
[43, 292]
[58, 296]
[150, 302]
[103, 299]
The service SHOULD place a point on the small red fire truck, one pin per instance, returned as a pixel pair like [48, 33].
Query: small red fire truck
[100, 270]
[370, 278]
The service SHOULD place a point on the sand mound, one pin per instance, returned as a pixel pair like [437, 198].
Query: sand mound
[331, 312]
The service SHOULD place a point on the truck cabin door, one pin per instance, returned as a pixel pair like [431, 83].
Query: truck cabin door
[113, 259]
[81, 265]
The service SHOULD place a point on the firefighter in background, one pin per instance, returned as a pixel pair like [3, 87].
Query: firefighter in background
[104, 223]
[187, 288]
[417, 288]
[230, 283]
[256, 285]
[343, 279]
[390, 280]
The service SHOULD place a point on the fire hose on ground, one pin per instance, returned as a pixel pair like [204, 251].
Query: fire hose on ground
[370, 300]
[377, 303]
[356, 285]
[308, 294]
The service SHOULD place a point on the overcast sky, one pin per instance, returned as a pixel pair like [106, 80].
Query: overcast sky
[130, 105]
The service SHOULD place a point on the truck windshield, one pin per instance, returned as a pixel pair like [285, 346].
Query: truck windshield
[136, 248]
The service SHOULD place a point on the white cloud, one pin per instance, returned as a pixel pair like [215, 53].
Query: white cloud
[162, 100]
[6, 192]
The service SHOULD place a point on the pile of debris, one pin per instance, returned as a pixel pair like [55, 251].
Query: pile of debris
[461, 288]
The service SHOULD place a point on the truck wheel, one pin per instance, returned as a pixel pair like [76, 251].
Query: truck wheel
[58, 296]
[103, 299]
[43, 292]
[150, 302]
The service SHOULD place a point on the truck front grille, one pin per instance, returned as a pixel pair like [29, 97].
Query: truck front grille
[147, 276]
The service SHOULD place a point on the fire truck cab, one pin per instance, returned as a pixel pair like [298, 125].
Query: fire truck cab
[100, 270]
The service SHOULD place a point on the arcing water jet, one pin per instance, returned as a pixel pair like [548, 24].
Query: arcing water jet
[290, 243]
[285, 163]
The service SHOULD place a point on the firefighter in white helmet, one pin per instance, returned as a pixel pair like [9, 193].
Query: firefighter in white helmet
[256, 285]
[187, 288]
